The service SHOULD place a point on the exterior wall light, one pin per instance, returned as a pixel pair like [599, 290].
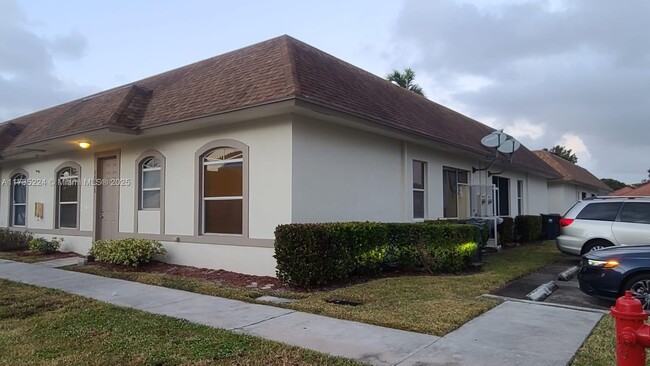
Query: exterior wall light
[84, 145]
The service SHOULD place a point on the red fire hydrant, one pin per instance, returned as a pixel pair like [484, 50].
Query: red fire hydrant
[632, 334]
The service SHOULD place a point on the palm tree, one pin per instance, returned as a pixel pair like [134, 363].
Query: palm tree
[405, 80]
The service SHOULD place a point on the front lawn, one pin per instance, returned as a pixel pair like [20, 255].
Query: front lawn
[427, 304]
[42, 326]
[432, 304]
[600, 347]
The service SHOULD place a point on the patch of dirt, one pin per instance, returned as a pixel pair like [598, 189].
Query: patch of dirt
[216, 275]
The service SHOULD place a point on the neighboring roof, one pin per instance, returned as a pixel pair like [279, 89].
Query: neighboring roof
[642, 190]
[622, 191]
[278, 69]
[571, 173]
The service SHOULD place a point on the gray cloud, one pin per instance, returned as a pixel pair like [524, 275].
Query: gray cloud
[28, 80]
[581, 69]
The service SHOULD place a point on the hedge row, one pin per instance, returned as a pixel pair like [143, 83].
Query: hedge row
[311, 255]
[528, 228]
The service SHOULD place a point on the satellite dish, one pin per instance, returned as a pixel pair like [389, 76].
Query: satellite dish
[509, 146]
[495, 139]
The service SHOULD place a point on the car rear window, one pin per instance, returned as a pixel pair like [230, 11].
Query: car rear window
[600, 211]
[636, 212]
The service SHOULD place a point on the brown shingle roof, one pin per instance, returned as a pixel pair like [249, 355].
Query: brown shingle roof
[643, 190]
[571, 172]
[622, 191]
[278, 69]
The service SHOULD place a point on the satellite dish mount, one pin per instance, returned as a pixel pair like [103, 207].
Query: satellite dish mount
[502, 143]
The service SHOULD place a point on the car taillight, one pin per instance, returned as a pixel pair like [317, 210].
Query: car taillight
[564, 222]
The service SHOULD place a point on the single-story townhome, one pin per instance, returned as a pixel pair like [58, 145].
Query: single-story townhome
[576, 183]
[209, 158]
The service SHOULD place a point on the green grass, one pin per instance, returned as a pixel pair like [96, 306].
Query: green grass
[47, 327]
[18, 257]
[427, 304]
[600, 348]
[432, 304]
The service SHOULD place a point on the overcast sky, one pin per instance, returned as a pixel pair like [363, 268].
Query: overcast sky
[575, 73]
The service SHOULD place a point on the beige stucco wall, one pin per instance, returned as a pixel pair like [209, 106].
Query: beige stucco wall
[41, 175]
[562, 196]
[344, 174]
[269, 142]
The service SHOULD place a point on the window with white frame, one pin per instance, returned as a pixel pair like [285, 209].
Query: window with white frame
[18, 199]
[419, 189]
[67, 195]
[222, 193]
[520, 197]
[150, 183]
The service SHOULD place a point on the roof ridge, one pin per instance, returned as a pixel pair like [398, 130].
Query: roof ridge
[121, 117]
[291, 59]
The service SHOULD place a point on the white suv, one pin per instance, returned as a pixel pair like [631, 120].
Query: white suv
[598, 222]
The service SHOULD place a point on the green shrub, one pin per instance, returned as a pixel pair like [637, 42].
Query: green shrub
[127, 252]
[317, 254]
[310, 255]
[505, 231]
[433, 246]
[528, 228]
[14, 240]
[482, 235]
[42, 245]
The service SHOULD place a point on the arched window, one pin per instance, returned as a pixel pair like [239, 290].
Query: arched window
[150, 183]
[67, 198]
[18, 199]
[222, 191]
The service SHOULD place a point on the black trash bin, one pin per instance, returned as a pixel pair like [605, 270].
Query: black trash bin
[550, 226]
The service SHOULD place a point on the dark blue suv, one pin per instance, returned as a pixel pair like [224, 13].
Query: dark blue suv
[608, 272]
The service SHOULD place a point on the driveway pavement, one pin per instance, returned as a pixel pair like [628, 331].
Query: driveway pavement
[568, 292]
[513, 333]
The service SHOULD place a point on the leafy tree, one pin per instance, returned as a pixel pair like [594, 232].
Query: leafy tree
[405, 80]
[613, 183]
[564, 153]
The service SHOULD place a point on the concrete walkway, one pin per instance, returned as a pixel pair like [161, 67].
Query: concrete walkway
[61, 262]
[511, 334]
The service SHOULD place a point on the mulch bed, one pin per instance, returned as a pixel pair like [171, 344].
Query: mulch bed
[216, 275]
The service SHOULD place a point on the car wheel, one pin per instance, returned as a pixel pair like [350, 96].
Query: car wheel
[595, 245]
[639, 285]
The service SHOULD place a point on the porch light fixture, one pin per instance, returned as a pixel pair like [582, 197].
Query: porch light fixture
[84, 145]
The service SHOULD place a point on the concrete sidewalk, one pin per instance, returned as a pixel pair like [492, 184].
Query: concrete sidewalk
[510, 334]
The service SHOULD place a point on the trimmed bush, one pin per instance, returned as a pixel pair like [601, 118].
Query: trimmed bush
[42, 245]
[126, 252]
[311, 255]
[482, 235]
[14, 240]
[317, 254]
[528, 228]
[506, 230]
[433, 246]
